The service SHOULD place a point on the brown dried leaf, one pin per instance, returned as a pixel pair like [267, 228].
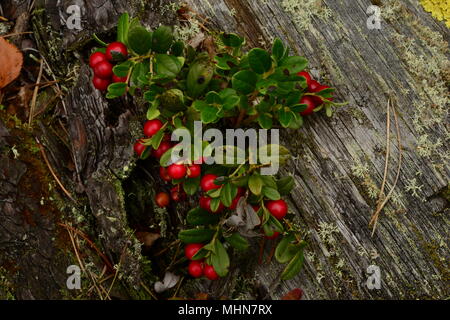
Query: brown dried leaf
[11, 61]
[147, 238]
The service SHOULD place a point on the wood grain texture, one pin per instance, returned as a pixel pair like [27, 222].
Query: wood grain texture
[367, 67]
[338, 162]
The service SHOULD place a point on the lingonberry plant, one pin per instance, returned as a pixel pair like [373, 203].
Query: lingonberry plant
[222, 86]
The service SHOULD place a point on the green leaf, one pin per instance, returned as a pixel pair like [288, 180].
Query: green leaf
[271, 193]
[213, 97]
[259, 60]
[269, 181]
[165, 158]
[215, 203]
[278, 49]
[298, 108]
[191, 185]
[122, 69]
[162, 39]
[220, 259]
[209, 114]
[294, 64]
[244, 81]
[255, 184]
[177, 48]
[196, 235]
[285, 117]
[140, 70]
[167, 66]
[157, 138]
[282, 254]
[285, 185]
[140, 40]
[228, 193]
[122, 28]
[237, 241]
[199, 216]
[153, 112]
[265, 121]
[225, 61]
[294, 266]
[116, 90]
[231, 40]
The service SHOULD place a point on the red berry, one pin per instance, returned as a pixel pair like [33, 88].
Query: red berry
[313, 86]
[176, 171]
[195, 269]
[191, 249]
[278, 208]
[194, 171]
[118, 79]
[234, 203]
[210, 273]
[116, 51]
[177, 194]
[151, 127]
[205, 203]
[95, 58]
[164, 175]
[306, 75]
[162, 199]
[100, 84]
[139, 148]
[207, 182]
[163, 147]
[274, 236]
[309, 101]
[103, 70]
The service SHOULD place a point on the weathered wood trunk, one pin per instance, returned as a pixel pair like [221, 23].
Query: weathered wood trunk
[338, 163]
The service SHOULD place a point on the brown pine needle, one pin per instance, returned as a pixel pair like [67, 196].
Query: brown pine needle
[44, 155]
[381, 204]
[15, 34]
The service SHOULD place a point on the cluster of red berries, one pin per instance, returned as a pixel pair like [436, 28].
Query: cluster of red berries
[102, 65]
[174, 171]
[312, 102]
[198, 268]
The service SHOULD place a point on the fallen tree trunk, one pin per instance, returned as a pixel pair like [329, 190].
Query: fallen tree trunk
[338, 163]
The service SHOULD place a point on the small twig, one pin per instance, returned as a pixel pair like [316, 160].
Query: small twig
[44, 155]
[35, 93]
[118, 268]
[3, 19]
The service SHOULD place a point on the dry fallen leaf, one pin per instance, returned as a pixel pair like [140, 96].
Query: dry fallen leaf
[147, 238]
[11, 61]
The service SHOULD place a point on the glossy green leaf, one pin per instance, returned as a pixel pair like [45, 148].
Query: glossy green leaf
[259, 60]
[237, 241]
[140, 40]
[244, 81]
[162, 39]
[196, 235]
[255, 184]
